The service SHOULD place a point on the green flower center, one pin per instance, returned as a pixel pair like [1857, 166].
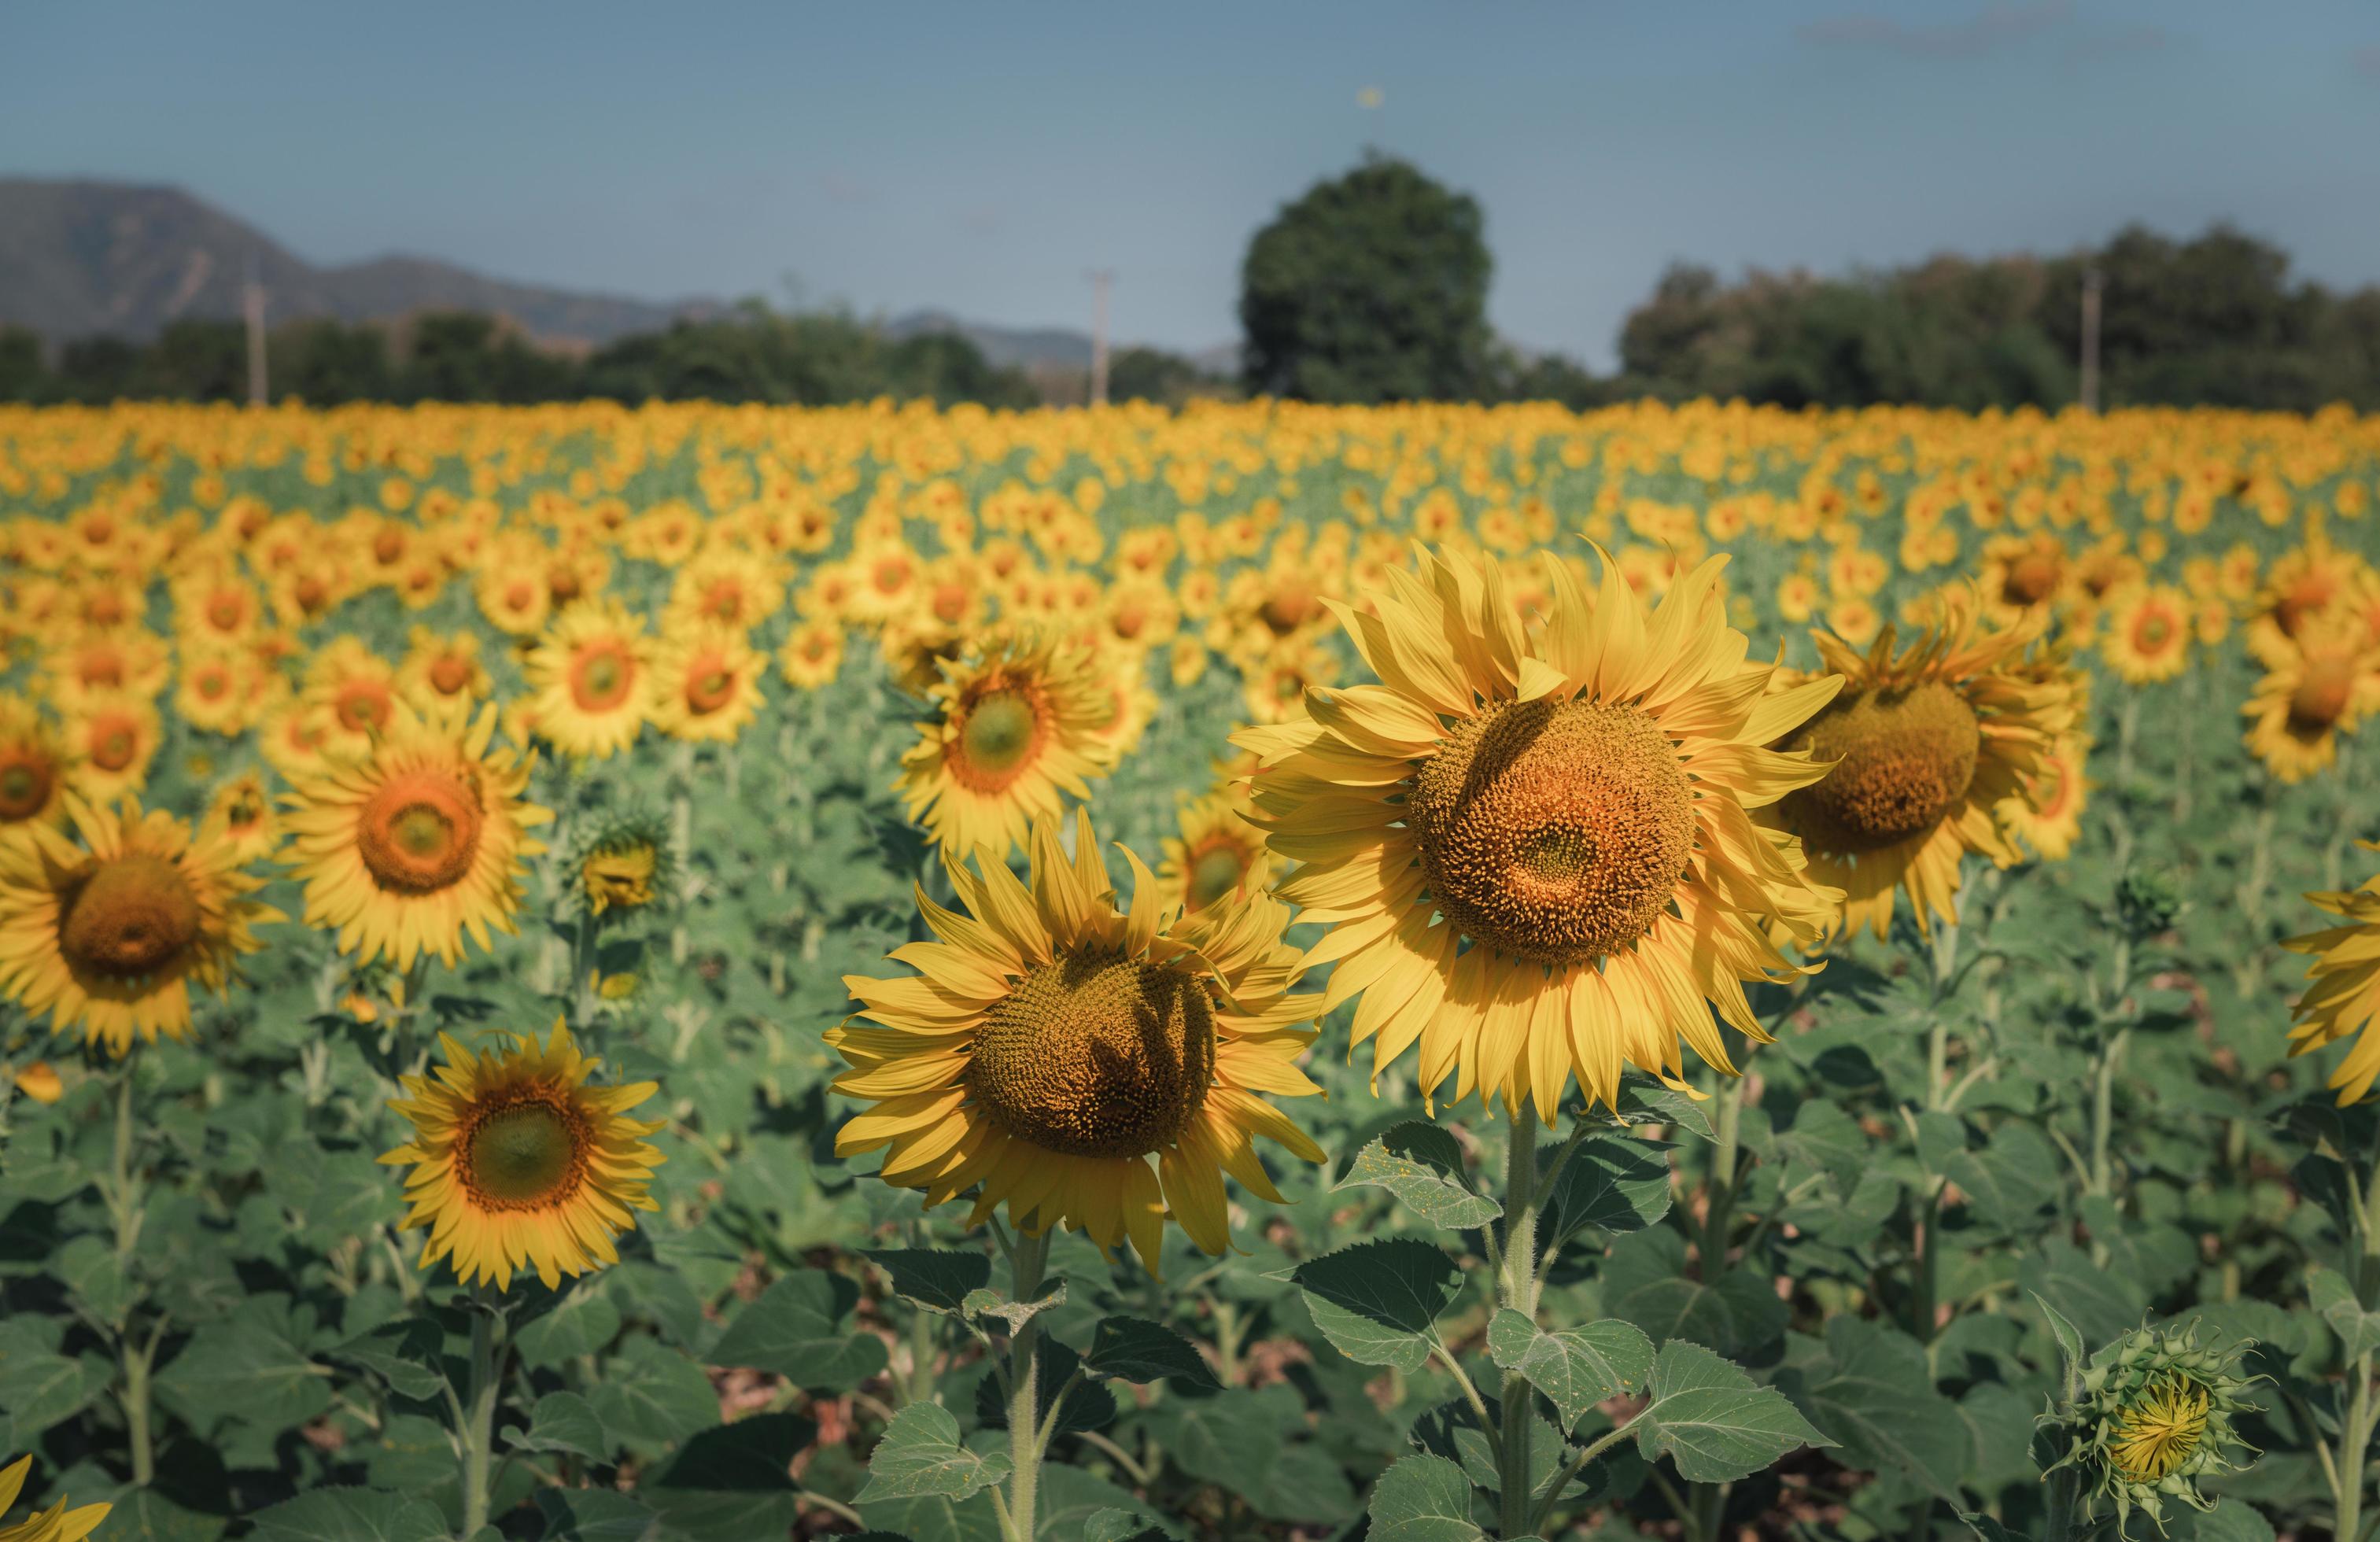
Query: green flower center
[523, 1154]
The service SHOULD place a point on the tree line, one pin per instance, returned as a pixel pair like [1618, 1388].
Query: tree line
[1372, 287]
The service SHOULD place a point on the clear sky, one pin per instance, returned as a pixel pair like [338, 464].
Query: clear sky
[981, 158]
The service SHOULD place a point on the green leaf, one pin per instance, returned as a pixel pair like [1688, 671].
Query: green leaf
[247, 1368]
[1575, 1367]
[1940, 1136]
[350, 1516]
[405, 1355]
[2009, 1182]
[46, 1389]
[408, 1453]
[1423, 1499]
[797, 1329]
[1645, 1283]
[1874, 1394]
[1088, 1405]
[2069, 1341]
[2099, 1304]
[652, 1396]
[2334, 1298]
[1420, 1163]
[1230, 1439]
[92, 1269]
[145, 1515]
[938, 1279]
[920, 1456]
[1612, 1181]
[731, 1483]
[1013, 1314]
[1125, 1525]
[582, 1322]
[1376, 1301]
[593, 1515]
[1647, 1102]
[1134, 1349]
[1710, 1418]
[1827, 1138]
[564, 1422]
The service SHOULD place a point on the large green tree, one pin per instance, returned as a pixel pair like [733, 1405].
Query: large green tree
[1371, 287]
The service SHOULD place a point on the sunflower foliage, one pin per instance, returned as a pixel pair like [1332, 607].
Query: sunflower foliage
[1420, 973]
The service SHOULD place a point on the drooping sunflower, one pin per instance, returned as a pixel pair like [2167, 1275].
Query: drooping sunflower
[1053, 1044]
[1535, 852]
[1219, 856]
[108, 934]
[706, 683]
[2342, 994]
[621, 863]
[2023, 574]
[406, 848]
[592, 680]
[1017, 723]
[2315, 689]
[1928, 742]
[35, 768]
[56, 1524]
[2148, 632]
[519, 1164]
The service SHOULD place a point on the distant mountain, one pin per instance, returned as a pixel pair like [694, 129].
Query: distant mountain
[1009, 347]
[84, 258]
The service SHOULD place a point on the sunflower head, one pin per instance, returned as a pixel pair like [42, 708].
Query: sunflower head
[1018, 724]
[621, 863]
[2155, 1415]
[519, 1162]
[2342, 993]
[35, 768]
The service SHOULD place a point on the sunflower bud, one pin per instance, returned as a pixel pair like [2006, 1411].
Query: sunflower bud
[620, 864]
[2155, 1413]
[2147, 901]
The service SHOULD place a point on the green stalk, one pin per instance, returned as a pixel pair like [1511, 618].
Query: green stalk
[1926, 1254]
[1027, 1261]
[2355, 1431]
[137, 1363]
[1516, 1287]
[1718, 1204]
[478, 1429]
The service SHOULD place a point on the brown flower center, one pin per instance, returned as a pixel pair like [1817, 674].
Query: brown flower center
[1906, 755]
[132, 917]
[420, 831]
[449, 675]
[601, 677]
[115, 744]
[2322, 694]
[1001, 733]
[26, 777]
[1094, 1055]
[362, 706]
[525, 1150]
[708, 687]
[1554, 831]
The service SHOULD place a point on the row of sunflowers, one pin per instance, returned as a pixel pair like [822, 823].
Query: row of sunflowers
[1942, 783]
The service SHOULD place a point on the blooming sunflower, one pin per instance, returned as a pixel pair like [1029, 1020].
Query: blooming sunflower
[2021, 575]
[1534, 853]
[1219, 854]
[812, 655]
[108, 934]
[241, 812]
[112, 736]
[519, 1164]
[35, 769]
[1053, 1044]
[2303, 588]
[2147, 639]
[2045, 811]
[2312, 691]
[442, 666]
[591, 677]
[56, 1524]
[405, 848]
[2342, 998]
[706, 683]
[1927, 741]
[1019, 722]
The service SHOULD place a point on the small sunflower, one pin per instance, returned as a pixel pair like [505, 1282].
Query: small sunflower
[1053, 1044]
[442, 666]
[2045, 811]
[2312, 691]
[107, 935]
[591, 677]
[2156, 1415]
[112, 736]
[519, 1164]
[40, 1081]
[1018, 723]
[406, 848]
[2023, 574]
[56, 1524]
[1219, 856]
[1926, 743]
[812, 656]
[241, 812]
[2148, 633]
[1535, 854]
[35, 768]
[2342, 994]
[706, 684]
[620, 864]
[2302, 589]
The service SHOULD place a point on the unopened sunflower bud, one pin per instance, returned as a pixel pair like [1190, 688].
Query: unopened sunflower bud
[620, 864]
[2156, 1415]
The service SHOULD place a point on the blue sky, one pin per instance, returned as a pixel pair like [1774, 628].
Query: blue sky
[982, 158]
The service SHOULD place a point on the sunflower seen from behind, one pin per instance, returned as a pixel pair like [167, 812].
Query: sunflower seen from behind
[1926, 744]
[1534, 850]
[108, 931]
[406, 848]
[520, 1163]
[1078, 1063]
[1015, 725]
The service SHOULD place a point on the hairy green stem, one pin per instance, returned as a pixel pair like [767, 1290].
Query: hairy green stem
[1517, 1288]
[478, 1433]
[1718, 1204]
[2355, 1431]
[1027, 1261]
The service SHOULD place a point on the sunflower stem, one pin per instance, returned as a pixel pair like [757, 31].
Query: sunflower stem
[479, 1431]
[1718, 1204]
[1028, 1260]
[1517, 1289]
[2355, 1431]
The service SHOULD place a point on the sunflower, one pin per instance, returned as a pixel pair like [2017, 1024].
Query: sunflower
[2045, 811]
[591, 677]
[2342, 996]
[1219, 854]
[2302, 589]
[1535, 854]
[241, 812]
[108, 934]
[2147, 639]
[442, 666]
[2312, 691]
[56, 1524]
[519, 1164]
[35, 769]
[621, 863]
[1053, 1044]
[355, 687]
[217, 691]
[2023, 574]
[706, 683]
[1928, 743]
[112, 737]
[812, 655]
[407, 847]
[1019, 722]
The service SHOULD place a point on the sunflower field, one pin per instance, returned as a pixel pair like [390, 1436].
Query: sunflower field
[1420, 973]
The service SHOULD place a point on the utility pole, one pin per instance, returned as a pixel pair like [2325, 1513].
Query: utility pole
[253, 303]
[2092, 282]
[1101, 279]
